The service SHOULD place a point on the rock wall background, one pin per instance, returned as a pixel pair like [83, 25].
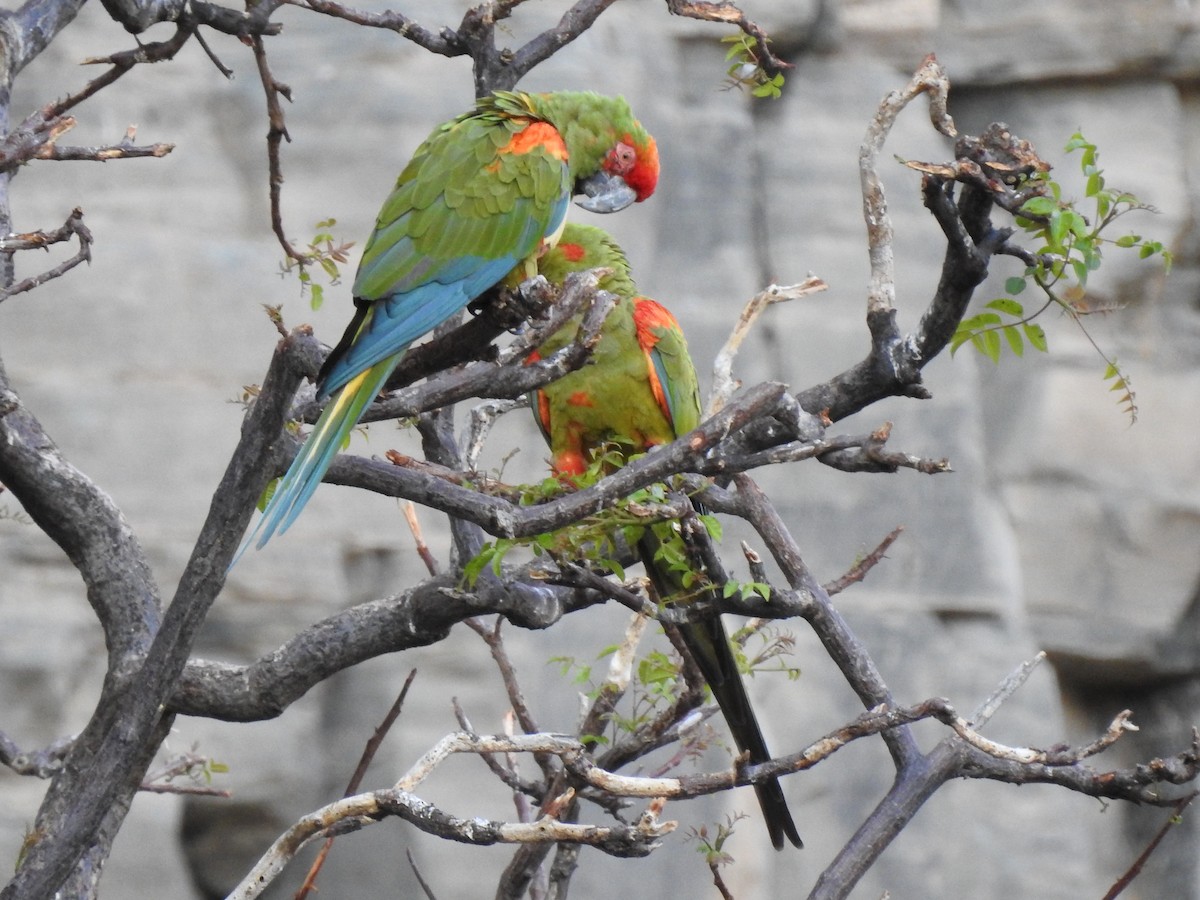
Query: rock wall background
[1063, 528]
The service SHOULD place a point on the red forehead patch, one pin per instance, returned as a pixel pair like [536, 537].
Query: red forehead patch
[643, 177]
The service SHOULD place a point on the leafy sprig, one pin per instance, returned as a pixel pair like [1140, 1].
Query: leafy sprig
[1069, 246]
[746, 71]
[325, 253]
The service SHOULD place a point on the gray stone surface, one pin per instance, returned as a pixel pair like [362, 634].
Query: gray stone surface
[1061, 528]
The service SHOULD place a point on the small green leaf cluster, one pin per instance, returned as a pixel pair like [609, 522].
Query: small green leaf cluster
[746, 589]
[745, 69]
[984, 330]
[324, 252]
[712, 847]
[1069, 246]
[654, 687]
[593, 538]
[776, 644]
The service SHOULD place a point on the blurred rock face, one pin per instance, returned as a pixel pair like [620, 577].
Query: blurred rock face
[1063, 528]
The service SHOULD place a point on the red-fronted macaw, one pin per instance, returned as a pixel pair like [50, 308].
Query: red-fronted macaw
[486, 192]
[640, 390]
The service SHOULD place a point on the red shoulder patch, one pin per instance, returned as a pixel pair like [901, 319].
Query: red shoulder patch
[537, 136]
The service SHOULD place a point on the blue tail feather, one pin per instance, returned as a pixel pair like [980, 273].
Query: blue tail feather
[309, 467]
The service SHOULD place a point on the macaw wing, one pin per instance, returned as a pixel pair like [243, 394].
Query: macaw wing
[457, 222]
[671, 371]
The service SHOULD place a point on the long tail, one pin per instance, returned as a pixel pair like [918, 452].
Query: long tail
[340, 416]
[709, 645]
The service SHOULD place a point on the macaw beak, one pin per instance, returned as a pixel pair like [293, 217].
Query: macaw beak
[605, 193]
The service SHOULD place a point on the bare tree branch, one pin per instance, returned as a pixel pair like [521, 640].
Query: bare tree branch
[73, 227]
[730, 13]
[41, 763]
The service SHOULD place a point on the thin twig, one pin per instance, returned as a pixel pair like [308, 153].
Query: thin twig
[729, 13]
[414, 525]
[714, 866]
[360, 772]
[417, 874]
[73, 227]
[508, 673]
[861, 567]
[1009, 686]
[483, 417]
[929, 78]
[1138, 864]
[723, 382]
[276, 133]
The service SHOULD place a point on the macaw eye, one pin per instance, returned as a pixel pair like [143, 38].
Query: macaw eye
[621, 158]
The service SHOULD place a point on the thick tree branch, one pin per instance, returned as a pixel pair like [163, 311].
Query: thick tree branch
[29, 29]
[106, 765]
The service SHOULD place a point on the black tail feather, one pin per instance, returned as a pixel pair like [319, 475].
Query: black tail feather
[708, 644]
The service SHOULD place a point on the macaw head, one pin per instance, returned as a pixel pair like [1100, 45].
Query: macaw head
[612, 158]
[583, 247]
[627, 174]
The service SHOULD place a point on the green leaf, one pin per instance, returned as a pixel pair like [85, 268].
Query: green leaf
[1036, 335]
[317, 295]
[991, 345]
[961, 336]
[713, 526]
[474, 567]
[980, 321]
[615, 567]
[1039, 206]
[1077, 224]
[1128, 240]
[1015, 284]
[268, 493]
[1060, 227]
[1015, 342]
[1081, 270]
[1005, 305]
[502, 547]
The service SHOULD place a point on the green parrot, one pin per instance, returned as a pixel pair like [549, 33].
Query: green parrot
[486, 194]
[640, 390]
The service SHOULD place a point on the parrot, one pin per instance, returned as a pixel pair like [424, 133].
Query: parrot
[485, 194]
[639, 390]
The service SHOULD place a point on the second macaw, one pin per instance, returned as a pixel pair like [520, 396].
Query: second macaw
[640, 390]
[485, 194]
